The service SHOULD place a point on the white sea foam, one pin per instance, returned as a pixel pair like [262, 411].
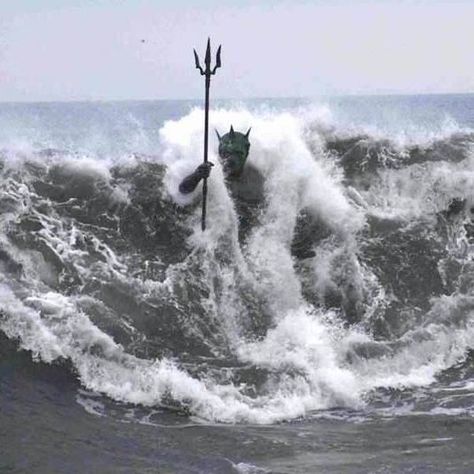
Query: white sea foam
[420, 190]
[246, 468]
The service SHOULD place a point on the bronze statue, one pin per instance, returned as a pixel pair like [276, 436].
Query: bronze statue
[244, 181]
[233, 152]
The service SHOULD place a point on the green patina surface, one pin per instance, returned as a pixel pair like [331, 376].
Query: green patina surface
[233, 150]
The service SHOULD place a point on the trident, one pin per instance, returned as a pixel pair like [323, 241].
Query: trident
[208, 72]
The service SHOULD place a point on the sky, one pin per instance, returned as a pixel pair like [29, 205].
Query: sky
[60, 50]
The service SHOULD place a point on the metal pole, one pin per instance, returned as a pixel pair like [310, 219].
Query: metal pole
[206, 142]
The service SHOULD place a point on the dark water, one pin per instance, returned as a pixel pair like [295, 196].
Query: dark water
[333, 335]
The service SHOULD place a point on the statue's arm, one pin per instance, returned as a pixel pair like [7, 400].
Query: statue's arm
[188, 185]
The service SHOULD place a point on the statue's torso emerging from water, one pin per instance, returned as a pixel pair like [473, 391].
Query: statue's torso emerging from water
[246, 186]
[233, 153]
[245, 182]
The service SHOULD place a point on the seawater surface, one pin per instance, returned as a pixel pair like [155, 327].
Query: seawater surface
[336, 335]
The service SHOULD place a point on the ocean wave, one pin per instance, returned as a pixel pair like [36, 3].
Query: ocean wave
[353, 278]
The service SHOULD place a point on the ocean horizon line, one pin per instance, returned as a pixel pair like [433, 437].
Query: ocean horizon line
[235, 99]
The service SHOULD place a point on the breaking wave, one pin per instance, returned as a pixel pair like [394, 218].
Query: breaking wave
[355, 281]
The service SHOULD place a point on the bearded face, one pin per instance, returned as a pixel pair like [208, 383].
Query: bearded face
[233, 152]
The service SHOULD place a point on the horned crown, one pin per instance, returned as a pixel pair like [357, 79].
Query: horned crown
[232, 134]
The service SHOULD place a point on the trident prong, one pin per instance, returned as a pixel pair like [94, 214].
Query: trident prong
[207, 60]
[218, 60]
[208, 72]
[196, 60]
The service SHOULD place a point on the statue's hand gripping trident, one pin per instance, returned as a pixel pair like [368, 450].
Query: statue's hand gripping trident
[208, 72]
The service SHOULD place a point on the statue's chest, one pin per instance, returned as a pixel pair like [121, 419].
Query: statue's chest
[248, 189]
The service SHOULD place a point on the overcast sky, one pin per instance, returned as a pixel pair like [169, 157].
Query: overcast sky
[142, 49]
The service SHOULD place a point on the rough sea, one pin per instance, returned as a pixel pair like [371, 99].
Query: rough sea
[336, 337]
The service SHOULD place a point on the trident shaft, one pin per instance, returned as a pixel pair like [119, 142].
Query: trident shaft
[208, 72]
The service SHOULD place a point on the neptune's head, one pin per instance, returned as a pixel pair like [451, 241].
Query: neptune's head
[233, 151]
